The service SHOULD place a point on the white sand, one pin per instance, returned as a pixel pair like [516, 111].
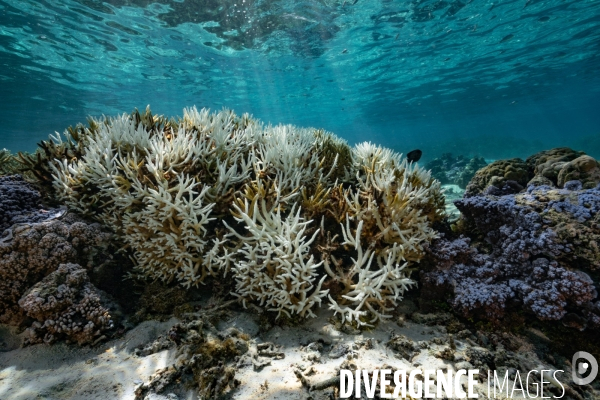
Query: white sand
[60, 371]
[111, 371]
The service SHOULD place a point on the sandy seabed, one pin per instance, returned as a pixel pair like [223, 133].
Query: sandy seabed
[310, 355]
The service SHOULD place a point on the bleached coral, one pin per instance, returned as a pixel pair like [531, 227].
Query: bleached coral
[275, 266]
[386, 209]
[216, 194]
[367, 287]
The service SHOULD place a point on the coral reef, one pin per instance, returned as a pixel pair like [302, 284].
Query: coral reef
[33, 251]
[37, 241]
[458, 170]
[276, 207]
[537, 249]
[498, 173]
[20, 202]
[553, 167]
[65, 305]
[547, 164]
[584, 169]
[573, 214]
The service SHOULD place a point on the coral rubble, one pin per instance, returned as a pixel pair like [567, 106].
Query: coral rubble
[205, 357]
[276, 207]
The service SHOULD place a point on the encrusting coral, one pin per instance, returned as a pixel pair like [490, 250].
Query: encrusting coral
[277, 207]
[20, 202]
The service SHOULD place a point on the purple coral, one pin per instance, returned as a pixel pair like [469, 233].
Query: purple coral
[65, 305]
[35, 250]
[516, 232]
[21, 203]
[520, 264]
[472, 294]
[583, 204]
[573, 185]
[552, 288]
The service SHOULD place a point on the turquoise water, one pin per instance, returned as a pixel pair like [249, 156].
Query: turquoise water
[495, 78]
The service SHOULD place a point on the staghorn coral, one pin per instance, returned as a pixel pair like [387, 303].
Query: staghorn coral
[8, 164]
[277, 252]
[65, 305]
[214, 194]
[38, 165]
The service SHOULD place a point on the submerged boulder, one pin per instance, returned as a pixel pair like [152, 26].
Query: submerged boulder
[548, 163]
[584, 169]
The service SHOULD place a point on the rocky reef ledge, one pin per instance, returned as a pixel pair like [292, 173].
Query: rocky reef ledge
[212, 256]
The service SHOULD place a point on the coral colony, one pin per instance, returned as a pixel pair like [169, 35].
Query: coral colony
[292, 219]
[537, 247]
[295, 216]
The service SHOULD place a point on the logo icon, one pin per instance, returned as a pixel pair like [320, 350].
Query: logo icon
[585, 368]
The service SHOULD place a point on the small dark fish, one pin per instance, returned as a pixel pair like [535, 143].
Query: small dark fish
[414, 155]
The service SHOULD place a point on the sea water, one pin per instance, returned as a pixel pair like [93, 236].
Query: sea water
[491, 78]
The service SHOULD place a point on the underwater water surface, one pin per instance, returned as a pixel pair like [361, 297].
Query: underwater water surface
[493, 78]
